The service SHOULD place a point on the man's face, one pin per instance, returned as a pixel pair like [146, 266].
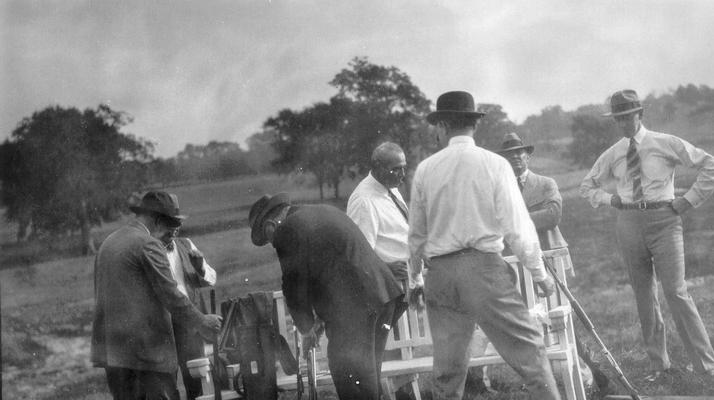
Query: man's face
[391, 171]
[629, 124]
[519, 160]
[165, 233]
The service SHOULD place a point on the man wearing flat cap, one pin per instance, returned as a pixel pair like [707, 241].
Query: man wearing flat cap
[330, 272]
[649, 225]
[136, 298]
[465, 202]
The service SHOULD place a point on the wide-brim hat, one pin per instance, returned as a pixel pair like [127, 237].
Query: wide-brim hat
[259, 211]
[624, 102]
[454, 104]
[512, 142]
[162, 203]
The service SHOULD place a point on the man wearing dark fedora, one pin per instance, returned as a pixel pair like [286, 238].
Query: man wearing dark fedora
[649, 225]
[330, 271]
[540, 193]
[135, 300]
[465, 202]
[545, 207]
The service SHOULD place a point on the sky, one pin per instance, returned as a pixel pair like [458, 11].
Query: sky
[197, 71]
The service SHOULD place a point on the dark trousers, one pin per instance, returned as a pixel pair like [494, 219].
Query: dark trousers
[189, 346]
[133, 384]
[355, 349]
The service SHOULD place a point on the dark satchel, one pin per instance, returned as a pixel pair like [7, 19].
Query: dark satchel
[254, 342]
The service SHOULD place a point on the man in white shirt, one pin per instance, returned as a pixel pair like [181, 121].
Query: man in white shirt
[464, 203]
[379, 210]
[649, 225]
[191, 272]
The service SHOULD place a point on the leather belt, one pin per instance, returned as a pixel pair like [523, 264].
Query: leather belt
[646, 205]
[468, 250]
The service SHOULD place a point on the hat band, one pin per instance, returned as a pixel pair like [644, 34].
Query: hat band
[511, 143]
[617, 108]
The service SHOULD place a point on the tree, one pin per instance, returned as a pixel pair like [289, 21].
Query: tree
[492, 127]
[592, 134]
[64, 170]
[386, 105]
[314, 140]
[261, 153]
[547, 129]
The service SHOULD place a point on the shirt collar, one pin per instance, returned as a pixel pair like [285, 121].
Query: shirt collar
[141, 224]
[462, 139]
[523, 176]
[640, 134]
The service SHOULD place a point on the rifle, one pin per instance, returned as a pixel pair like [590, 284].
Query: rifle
[580, 312]
[298, 349]
[216, 385]
[312, 374]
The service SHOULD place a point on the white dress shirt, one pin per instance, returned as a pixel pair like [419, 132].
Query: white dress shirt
[467, 197]
[177, 270]
[659, 154]
[378, 217]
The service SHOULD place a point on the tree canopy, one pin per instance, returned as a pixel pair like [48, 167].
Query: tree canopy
[65, 170]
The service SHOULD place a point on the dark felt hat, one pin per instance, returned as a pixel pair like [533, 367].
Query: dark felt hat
[159, 202]
[623, 102]
[512, 142]
[454, 104]
[259, 211]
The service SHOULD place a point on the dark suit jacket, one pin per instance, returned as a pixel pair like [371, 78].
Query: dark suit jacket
[544, 204]
[329, 267]
[136, 297]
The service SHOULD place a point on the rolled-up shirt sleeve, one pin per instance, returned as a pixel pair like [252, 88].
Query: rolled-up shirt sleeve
[417, 230]
[518, 229]
[209, 277]
[591, 186]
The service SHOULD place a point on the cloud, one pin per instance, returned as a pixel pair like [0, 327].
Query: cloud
[195, 71]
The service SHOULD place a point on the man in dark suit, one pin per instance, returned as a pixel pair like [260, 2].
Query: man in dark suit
[136, 298]
[331, 272]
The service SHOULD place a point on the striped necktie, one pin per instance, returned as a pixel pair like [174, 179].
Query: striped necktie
[634, 171]
[400, 206]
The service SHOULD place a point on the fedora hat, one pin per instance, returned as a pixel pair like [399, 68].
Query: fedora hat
[259, 211]
[454, 104]
[623, 102]
[512, 142]
[161, 203]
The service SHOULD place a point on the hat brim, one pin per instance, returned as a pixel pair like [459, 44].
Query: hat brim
[437, 116]
[634, 110]
[529, 149]
[139, 209]
[257, 235]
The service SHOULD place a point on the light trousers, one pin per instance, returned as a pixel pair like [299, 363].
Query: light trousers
[479, 288]
[651, 246]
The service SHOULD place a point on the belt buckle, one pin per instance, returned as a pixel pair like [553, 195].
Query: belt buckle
[642, 205]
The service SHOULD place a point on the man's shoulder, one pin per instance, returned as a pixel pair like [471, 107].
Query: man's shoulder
[541, 179]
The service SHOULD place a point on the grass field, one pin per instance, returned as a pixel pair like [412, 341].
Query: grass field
[47, 307]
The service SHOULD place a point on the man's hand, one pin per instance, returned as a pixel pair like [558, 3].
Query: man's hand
[196, 258]
[547, 286]
[415, 297]
[210, 326]
[681, 205]
[616, 201]
[311, 339]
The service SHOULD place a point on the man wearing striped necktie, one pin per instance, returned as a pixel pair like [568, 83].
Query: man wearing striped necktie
[649, 226]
